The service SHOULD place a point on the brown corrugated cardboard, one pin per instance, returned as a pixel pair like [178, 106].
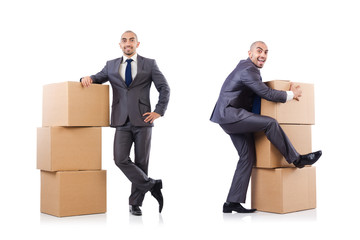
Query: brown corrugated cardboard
[267, 155]
[70, 104]
[72, 193]
[283, 190]
[69, 148]
[291, 112]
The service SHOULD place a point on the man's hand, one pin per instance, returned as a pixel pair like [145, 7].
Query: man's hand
[296, 90]
[86, 81]
[151, 116]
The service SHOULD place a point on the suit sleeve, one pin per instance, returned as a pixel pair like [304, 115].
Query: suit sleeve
[102, 76]
[252, 80]
[163, 89]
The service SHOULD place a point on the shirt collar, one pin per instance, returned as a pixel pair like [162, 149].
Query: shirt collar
[134, 57]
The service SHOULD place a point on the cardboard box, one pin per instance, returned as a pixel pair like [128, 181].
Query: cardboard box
[283, 190]
[291, 112]
[69, 148]
[72, 193]
[268, 156]
[70, 104]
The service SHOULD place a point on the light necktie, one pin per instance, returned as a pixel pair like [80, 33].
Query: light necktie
[128, 77]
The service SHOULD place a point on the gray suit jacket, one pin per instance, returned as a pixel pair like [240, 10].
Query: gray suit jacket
[238, 92]
[134, 101]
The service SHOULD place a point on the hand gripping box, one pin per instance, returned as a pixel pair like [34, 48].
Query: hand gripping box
[69, 148]
[291, 112]
[69, 193]
[70, 104]
[283, 190]
[268, 156]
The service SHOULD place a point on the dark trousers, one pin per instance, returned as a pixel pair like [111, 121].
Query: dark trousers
[241, 134]
[135, 171]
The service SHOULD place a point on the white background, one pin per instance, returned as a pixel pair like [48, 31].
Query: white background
[196, 45]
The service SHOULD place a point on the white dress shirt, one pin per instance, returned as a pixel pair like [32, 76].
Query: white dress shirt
[133, 66]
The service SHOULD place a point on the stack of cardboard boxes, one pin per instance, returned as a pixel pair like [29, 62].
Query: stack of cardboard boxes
[69, 149]
[276, 185]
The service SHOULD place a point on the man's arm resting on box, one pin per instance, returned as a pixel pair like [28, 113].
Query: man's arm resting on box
[294, 93]
[99, 78]
[86, 81]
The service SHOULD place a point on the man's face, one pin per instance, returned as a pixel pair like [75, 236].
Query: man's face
[128, 44]
[258, 54]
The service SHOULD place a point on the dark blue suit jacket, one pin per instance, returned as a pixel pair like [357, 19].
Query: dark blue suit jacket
[238, 92]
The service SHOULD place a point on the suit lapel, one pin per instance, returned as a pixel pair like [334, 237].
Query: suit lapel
[140, 66]
[117, 66]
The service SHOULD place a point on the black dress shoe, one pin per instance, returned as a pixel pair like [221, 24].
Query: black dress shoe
[229, 207]
[308, 159]
[135, 210]
[156, 192]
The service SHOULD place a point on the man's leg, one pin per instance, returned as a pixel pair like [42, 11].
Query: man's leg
[142, 140]
[122, 144]
[273, 132]
[244, 144]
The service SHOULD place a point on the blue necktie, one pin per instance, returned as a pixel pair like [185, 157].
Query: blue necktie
[256, 104]
[128, 77]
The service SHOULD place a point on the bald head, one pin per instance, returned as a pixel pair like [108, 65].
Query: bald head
[129, 31]
[253, 45]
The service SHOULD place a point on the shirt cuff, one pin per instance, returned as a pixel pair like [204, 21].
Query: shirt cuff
[290, 95]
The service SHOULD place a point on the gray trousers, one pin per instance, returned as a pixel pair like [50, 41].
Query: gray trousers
[135, 171]
[241, 134]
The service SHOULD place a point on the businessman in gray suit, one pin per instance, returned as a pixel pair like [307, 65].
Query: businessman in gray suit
[234, 112]
[131, 77]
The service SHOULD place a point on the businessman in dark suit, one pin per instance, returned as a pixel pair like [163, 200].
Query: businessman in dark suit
[234, 112]
[131, 77]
